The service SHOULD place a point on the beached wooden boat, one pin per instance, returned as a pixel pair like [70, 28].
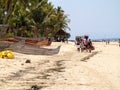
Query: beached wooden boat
[38, 43]
[27, 41]
[13, 40]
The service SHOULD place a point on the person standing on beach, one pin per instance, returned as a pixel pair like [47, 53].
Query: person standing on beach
[119, 42]
[81, 44]
[86, 41]
[77, 42]
[88, 44]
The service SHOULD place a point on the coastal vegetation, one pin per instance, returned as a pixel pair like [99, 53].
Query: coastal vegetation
[31, 18]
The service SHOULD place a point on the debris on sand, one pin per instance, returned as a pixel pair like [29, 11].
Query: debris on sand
[28, 61]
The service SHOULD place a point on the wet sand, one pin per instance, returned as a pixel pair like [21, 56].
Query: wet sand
[61, 67]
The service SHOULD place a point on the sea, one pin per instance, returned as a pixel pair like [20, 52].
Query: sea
[102, 40]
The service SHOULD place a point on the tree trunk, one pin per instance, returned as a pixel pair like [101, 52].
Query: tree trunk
[36, 33]
[15, 32]
[3, 29]
[10, 8]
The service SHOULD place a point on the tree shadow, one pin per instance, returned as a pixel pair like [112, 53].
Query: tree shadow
[86, 58]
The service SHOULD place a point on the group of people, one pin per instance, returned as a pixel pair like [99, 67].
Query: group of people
[84, 43]
[58, 39]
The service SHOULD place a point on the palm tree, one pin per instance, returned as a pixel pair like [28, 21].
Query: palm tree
[9, 7]
[38, 16]
[58, 20]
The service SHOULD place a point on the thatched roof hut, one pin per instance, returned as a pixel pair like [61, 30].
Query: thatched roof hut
[61, 33]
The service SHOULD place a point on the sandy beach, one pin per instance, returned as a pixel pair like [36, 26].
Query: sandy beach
[61, 67]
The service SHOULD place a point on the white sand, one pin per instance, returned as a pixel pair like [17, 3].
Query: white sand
[62, 68]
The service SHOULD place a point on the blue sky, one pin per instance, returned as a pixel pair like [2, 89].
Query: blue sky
[97, 18]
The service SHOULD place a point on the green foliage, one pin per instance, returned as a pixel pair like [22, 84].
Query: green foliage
[35, 16]
[10, 34]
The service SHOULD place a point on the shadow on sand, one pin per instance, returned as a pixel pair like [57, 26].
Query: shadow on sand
[85, 59]
[32, 50]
